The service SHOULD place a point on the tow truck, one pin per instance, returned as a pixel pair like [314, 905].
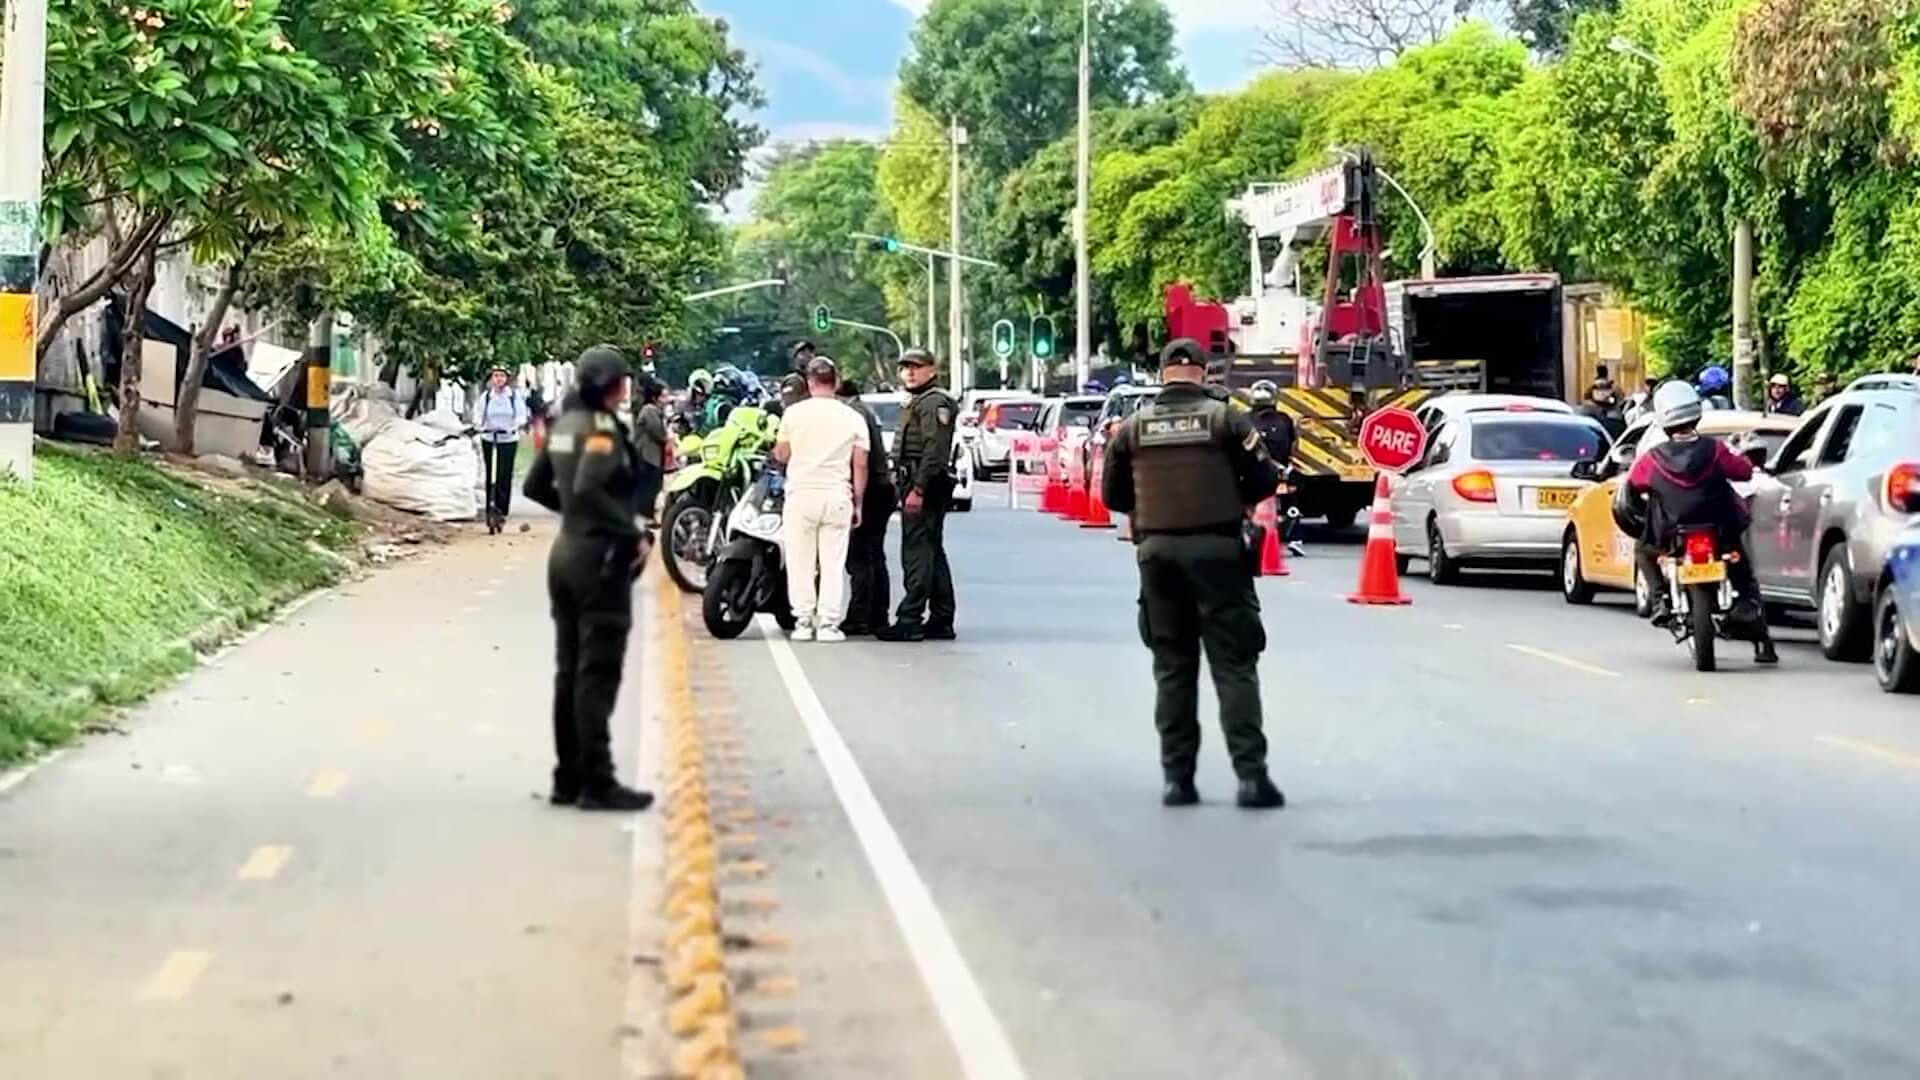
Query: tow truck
[1362, 342]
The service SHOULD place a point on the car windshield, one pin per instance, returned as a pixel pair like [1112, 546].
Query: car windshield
[887, 412]
[1014, 415]
[1125, 405]
[1534, 440]
[1079, 413]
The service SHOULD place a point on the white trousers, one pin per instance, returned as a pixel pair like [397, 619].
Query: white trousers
[816, 529]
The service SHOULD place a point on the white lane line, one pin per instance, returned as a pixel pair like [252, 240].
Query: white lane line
[326, 784]
[265, 863]
[1564, 661]
[643, 1053]
[980, 1042]
[175, 977]
[1911, 761]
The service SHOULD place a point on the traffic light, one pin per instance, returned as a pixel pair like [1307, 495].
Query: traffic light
[1003, 338]
[888, 244]
[822, 319]
[1041, 337]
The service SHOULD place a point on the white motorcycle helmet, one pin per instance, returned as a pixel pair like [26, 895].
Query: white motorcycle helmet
[1676, 405]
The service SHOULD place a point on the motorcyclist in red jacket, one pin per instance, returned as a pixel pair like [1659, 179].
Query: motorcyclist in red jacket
[1688, 480]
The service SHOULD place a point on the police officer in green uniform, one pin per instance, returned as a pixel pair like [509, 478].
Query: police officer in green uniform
[923, 453]
[1186, 468]
[589, 473]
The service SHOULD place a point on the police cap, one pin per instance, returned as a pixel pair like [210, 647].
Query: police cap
[1183, 352]
[598, 371]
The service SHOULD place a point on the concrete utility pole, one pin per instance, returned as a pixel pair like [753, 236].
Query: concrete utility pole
[1743, 344]
[956, 333]
[23, 96]
[320, 398]
[1082, 272]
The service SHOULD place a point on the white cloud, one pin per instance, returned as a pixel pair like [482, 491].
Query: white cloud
[850, 89]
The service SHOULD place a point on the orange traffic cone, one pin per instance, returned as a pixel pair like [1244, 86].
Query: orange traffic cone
[1379, 580]
[1097, 515]
[1273, 560]
[1054, 499]
[1076, 501]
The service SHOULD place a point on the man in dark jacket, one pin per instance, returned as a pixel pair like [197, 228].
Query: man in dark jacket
[872, 587]
[1603, 404]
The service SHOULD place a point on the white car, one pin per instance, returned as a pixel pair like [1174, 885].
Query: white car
[1436, 411]
[990, 447]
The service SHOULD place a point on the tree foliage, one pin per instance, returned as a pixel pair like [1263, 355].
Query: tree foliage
[1008, 69]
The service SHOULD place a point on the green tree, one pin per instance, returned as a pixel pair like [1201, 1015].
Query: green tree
[1547, 25]
[1007, 69]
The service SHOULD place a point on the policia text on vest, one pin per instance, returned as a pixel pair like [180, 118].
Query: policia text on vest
[1186, 468]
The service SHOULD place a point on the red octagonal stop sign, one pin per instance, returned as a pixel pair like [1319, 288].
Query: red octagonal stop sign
[1392, 438]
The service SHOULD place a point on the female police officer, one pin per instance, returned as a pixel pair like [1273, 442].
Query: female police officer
[590, 474]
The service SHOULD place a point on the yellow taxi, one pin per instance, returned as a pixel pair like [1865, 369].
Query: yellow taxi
[1595, 554]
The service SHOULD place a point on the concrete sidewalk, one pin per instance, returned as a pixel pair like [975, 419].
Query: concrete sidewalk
[328, 854]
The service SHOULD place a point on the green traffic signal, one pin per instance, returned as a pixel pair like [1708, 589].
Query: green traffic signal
[893, 245]
[822, 319]
[1003, 342]
[1041, 332]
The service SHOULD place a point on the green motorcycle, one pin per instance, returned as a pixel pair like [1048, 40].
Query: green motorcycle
[715, 472]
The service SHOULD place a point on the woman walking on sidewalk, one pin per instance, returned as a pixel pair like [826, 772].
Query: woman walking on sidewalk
[499, 416]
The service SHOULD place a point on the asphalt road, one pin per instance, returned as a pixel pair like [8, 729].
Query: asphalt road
[327, 854]
[1524, 840]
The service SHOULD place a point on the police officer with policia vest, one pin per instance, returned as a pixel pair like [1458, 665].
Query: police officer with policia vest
[590, 474]
[1187, 468]
[923, 456]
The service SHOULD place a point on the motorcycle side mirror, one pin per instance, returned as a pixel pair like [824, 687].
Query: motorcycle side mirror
[1758, 455]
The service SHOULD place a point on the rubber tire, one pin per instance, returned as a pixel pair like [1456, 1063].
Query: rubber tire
[724, 576]
[1702, 602]
[1850, 640]
[674, 513]
[1643, 598]
[1402, 563]
[1441, 570]
[962, 506]
[1342, 520]
[1895, 663]
[1574, 587]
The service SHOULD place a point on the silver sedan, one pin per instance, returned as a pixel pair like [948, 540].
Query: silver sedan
[1493, 488]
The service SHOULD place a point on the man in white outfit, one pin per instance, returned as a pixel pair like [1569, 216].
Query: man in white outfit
[824, 445]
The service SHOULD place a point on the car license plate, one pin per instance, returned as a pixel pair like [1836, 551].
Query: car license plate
[1702, 573]
[1555, 498]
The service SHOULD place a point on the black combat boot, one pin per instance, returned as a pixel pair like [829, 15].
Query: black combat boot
[617, 797]
[566, 790]
[1258, 793]
[941, 633]
[1764, 652]
[902, 631]
[1179, 792]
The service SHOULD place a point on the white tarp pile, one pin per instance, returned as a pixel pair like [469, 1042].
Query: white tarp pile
[423, 466]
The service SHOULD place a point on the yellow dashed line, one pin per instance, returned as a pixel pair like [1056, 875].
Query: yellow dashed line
[326, 784]
[265, 863]
[1911, 761]
[1564, 661]
[175, 977]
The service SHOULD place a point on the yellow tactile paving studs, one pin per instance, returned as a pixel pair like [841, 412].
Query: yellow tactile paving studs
[710, 852]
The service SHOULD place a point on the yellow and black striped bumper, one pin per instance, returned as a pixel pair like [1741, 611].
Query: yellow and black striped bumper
[1326, 428]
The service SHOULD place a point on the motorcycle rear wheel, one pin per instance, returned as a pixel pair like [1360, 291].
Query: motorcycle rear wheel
[1701, 604]
[684, 533]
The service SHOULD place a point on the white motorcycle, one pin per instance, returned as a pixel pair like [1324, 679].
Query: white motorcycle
[749, 575]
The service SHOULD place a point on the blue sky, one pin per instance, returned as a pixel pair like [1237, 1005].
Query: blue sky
[828, 66]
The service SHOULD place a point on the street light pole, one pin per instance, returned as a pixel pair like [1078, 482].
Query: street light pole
[1082, 274]
[23, 87]
[767, 283]
[933, 310]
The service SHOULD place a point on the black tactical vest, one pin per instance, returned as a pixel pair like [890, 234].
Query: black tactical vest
[1182, 476]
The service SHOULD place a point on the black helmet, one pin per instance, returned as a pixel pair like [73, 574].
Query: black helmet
[598, 371]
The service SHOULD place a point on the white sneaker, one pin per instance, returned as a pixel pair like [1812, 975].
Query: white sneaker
[801, 632]
[830, 635]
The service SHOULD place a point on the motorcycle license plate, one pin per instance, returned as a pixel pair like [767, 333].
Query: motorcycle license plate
[1702, 573]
